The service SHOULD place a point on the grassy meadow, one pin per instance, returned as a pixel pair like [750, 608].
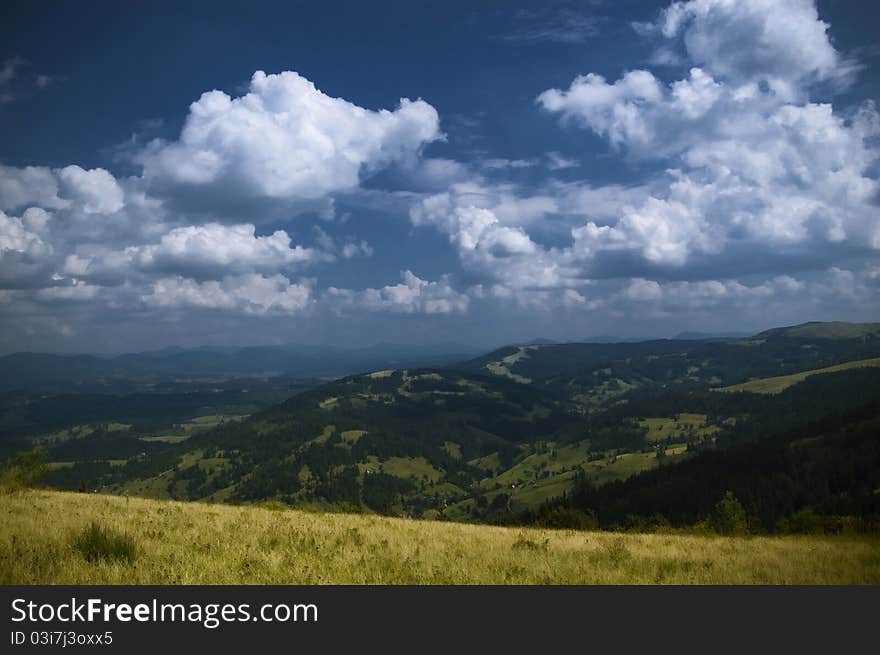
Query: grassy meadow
[780, 383]
[49, 537]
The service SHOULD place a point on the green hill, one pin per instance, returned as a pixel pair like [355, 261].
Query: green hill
[829, 330]
[596, 374]
[782, 382]
[820, 476]
[484, 441]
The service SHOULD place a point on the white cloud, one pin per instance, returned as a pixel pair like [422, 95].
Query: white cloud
[227, 248]
[24, 255]
[16, 238]
[413, 296]
[559, 162]
[781, 293]
[96, 190]
[287, 139]
[74, 291]
[783, 43]
[663, 231]
[31, 185]
[250, 294]
[353, 249]
[485, 244]
[500, 163]
[750, 164]
[610, 110]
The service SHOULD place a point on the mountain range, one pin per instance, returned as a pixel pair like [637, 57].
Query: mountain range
[524, 433]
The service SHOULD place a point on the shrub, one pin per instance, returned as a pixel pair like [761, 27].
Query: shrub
[562, 517]
[617, 551]
[26, 469]
[806, 521]
[729, 516]
[96, 543]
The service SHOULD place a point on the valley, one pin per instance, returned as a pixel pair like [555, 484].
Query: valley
[504, 438]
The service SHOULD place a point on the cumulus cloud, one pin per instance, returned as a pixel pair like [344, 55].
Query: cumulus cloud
[739, 175]
[751, 160]
[484, 225]
[16, 238]
[251, 294]
[781, 43]
[412, 296]
[610, 110]
[23, 253]
[97, 191]
[662, 231]
[30, 185]
[213, 248]
[286, 139]
[777, 293]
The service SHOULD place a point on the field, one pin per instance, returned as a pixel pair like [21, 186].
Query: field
[782, 382]
[683, 425]
[196, 543]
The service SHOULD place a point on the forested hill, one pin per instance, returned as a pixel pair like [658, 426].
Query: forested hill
[494, 439]
[823, 476]
[598, 372]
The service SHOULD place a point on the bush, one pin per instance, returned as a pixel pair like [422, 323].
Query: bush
[27, 469]
[806, 521]
[617, 551]
[729, 516]
[567, 518]
[97, 543]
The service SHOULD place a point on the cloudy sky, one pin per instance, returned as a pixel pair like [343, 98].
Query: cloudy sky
[443, 172]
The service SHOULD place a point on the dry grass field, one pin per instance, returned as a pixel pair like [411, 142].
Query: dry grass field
[190, 543]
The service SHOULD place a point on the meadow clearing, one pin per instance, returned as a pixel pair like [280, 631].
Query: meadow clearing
[41, 536]
[780, 383]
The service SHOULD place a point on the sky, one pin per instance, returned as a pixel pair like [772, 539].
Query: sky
[349, 173]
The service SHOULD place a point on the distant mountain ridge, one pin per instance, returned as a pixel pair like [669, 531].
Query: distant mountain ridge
[825, 330]
[595, 372]
[52, 373]
[42, 372]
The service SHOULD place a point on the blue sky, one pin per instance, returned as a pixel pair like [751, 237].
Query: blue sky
[437, 172]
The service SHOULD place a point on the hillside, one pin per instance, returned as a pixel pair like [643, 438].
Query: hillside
[194, 543]
[485, 441]
[439, 444]
[833, 330]
[822, 476]
[597, 373]
[782, 382]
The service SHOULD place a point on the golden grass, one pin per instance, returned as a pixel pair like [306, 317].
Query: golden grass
[191, 543]
[780, 383]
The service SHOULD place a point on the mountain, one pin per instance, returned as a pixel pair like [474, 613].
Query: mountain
[702, 336]
[594, 373]
[805, 479]
[817, 330]
[494, 439]
[41, 372]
